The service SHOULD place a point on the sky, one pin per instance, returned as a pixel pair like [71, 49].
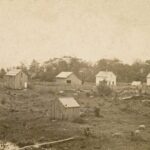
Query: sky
[88, 29]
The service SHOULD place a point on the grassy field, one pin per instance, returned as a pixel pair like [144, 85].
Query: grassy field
[24, 120]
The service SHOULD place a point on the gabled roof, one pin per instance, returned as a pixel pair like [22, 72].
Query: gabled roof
[13, 72]
[64, 74]
[69, 102]
[105, 73]
[148, 76]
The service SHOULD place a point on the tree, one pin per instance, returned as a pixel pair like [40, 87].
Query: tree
[87, 71]
[23, 67]
[2, 73]
[34, 69]
[103, 89]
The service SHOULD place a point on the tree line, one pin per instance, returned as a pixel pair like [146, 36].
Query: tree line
[85, 70]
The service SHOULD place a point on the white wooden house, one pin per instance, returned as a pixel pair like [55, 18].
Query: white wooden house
[107, 76]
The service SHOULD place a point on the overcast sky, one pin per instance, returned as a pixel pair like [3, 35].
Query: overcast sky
[89, 29]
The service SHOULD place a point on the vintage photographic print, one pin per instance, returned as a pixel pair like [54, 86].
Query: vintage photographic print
[74, 75]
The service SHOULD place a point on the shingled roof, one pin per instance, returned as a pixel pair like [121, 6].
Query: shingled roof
[13, 72]
[105, 73]
[69, 102]
[64, 74]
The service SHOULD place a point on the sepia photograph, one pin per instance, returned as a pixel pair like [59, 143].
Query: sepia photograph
[74, 75]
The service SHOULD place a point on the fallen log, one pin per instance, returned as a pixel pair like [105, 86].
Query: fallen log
[48, 143]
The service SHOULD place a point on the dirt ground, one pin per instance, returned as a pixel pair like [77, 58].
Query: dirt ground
[24, 120]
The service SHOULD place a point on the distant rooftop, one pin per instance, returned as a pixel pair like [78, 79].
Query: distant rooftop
[13, 72]
[69, 102]
[148, 76]
[105, 73]
[64, 74]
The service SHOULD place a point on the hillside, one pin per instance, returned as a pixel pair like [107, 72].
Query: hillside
[24, 120]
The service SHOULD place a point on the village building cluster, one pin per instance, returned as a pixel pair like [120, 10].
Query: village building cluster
[17, 79]
[64, 108]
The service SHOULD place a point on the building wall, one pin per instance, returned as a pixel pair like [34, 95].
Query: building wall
[73, 113]
[110, 80]
[72, 77]
[148, 81]
[58, 111]
[20, 80]
[61, 81]
[10, 82]
[16, 82]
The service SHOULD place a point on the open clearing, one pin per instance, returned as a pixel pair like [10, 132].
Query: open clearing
[24, 120]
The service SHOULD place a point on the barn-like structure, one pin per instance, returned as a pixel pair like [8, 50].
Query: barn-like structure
[68, 78]
[64, 108]
[16, 79]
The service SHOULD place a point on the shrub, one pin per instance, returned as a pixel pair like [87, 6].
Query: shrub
[3, 101]
[104, 90]
[25, 143]
[87, 94]
[82, 115]
[30, 86]
[97, 111]
[136, 137]
[79, 120]
[46, 91]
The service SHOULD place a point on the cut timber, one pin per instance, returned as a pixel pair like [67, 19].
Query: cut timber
[49, 143]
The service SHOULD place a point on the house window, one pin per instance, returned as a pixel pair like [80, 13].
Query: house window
[68, 81]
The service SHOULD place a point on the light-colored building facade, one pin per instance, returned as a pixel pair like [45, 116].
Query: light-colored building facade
[107, 76]
[136, 83]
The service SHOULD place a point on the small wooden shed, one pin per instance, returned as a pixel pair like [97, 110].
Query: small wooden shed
[64, 108]
[16, 79]
[68, 78]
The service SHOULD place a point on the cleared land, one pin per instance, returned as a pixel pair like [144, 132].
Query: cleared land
[24, 120]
